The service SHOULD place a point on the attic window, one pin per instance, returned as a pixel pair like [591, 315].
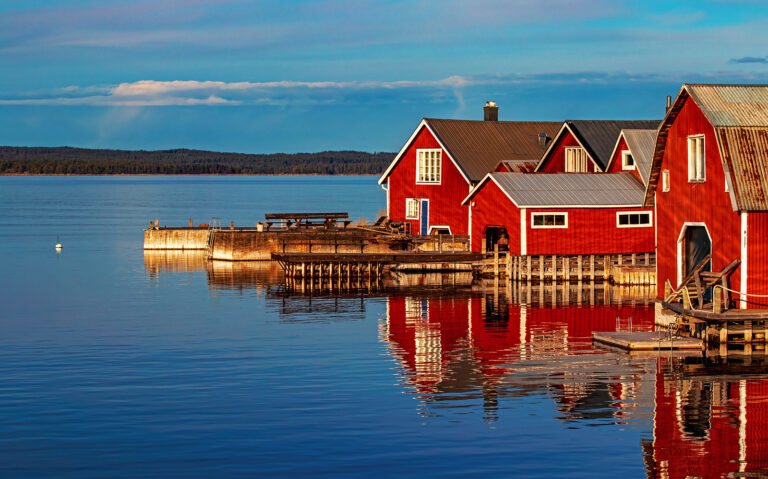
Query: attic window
[665, 181]
[627, 161]
[575, 160]
[428, 165]
[697, 171]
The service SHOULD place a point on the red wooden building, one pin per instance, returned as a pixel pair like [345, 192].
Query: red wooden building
[444, 159]
[709, 180]
[586, 146]
[558, 214]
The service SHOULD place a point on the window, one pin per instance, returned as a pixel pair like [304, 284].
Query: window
[411, 208]
[549, 220]
[627, 161]
[575, 160]
[633, 220]
[696, 162]
[428, 165]
[665, 181]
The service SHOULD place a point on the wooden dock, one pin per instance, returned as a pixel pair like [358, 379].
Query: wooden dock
[647, 341]
[628, 269]
[371, 265]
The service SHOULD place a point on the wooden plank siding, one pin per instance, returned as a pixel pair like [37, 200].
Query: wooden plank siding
[704, 203]
[444, 199]
[615, 166]
[554, 162]
[757, 261]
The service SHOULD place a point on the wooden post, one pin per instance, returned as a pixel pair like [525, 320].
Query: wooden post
[580, 270]
[634, 259]
[496, 261]
[592, 268]
[509, 266]
[541, 268]
[528, 274]
[606, 267]
[647, 259]
[567, 269]
[747, 332]
[554, 267]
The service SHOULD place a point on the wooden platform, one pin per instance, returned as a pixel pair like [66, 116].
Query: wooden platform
[647, 341]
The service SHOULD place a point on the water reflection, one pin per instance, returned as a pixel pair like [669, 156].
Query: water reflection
[465, 348]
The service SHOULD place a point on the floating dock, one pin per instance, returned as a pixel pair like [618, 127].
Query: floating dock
[647, 341]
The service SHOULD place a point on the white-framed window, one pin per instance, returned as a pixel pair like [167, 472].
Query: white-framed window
[627, 160]
[549, 220]
[697, 170]
[665, 181]
[637, 219]
[575, 160]
[428, 165]
[411, 208]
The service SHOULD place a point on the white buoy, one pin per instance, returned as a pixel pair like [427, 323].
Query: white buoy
[58, 244]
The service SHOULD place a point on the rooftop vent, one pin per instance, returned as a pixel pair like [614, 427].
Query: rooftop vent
[543, 138]
[490, 111]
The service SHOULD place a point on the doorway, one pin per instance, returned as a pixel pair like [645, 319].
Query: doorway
[496, 235]
[697, 245]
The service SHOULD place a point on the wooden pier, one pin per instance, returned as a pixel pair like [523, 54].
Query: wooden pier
[647, 341]
[629, 269]
[370, 265]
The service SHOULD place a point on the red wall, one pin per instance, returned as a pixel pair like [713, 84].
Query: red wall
[555, 161]
[615, 165]
[757, 257]
[492, 207]
[444, 199]
[694, 202]
[590, 230]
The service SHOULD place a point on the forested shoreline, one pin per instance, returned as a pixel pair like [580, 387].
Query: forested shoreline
[83, 161]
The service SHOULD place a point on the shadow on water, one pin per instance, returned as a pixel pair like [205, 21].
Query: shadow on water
[463, 347]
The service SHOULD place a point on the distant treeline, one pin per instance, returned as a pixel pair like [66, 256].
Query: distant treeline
[81, 161]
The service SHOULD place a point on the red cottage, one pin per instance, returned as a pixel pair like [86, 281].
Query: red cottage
[444, 159]
[585, 146]
[709, 179]
[557, 214]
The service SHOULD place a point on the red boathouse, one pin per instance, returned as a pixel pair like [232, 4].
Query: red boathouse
[709, 180]
[585, 146]
[559, 214]
[444, 159]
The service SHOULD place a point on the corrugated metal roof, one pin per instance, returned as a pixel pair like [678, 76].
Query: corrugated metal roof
[641, 143]
[732, 105]
[745, 153]
[479, 146]
[599, 136]
[571, 189]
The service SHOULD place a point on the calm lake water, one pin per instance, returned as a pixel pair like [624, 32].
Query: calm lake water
[117, 363]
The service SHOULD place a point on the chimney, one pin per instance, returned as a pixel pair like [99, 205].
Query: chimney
[543, 139]
[669, 102]
[490, 111]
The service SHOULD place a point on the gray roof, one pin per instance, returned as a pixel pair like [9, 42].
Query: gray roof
[732, 105]
[641, 143]
[599, 136]
[571, 189]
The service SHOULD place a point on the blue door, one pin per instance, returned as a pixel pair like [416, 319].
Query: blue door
[424, 217]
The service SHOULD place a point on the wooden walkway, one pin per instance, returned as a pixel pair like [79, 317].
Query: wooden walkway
[647, 341]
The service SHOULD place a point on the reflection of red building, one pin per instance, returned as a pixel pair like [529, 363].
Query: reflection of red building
[705, 427]
[474, 344]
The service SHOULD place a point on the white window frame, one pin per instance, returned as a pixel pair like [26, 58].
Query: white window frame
[549, 213]
[408, 202]
[432, 172]
[432, 229]
[624, 155]
[622, 213]
[665, 181]
[697, 159]
[574, 154]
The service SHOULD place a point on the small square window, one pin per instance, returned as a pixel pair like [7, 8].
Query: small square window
[627, 160]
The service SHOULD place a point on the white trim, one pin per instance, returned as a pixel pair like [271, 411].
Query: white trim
[523, 232]
[432, 227]
[555, 141]
[692, 178]
[650, 217]
[744, 259]
[624, 155]
[550, 227]
[471, 236]
[680, 239]
[386, 188]
[418, 208]
[615, 149]
[439, 152]
[423, 124]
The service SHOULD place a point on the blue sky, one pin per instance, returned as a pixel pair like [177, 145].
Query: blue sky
[269, 76]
